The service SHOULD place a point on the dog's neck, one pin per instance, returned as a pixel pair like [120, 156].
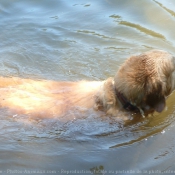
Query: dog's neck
[108, 98]
[126, 104]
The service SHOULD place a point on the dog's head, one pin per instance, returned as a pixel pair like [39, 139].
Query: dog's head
[147, 79]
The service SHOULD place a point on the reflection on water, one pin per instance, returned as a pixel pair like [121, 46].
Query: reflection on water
[89, 40]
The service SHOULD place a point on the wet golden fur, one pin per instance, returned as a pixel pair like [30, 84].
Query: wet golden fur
[145, 80]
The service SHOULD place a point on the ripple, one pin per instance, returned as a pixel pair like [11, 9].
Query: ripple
[54, 17]
[100, 132]
[165, 8]
[142, 29]
[94, 33]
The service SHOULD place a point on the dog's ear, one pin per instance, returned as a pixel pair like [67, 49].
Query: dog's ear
[155, 97]
[156, 101]
[159, 107]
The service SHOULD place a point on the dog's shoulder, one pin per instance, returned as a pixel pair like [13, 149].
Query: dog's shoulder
[106, 98]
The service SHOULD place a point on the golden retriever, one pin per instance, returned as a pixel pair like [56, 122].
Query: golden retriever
[141, 85]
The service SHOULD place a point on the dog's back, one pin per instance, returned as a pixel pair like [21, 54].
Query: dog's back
[45, 98]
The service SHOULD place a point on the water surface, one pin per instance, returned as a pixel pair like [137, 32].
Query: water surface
[84, 40]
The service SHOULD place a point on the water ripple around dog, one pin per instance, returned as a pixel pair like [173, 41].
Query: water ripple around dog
[100, 132]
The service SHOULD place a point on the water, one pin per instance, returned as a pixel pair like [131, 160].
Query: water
[75, 40]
